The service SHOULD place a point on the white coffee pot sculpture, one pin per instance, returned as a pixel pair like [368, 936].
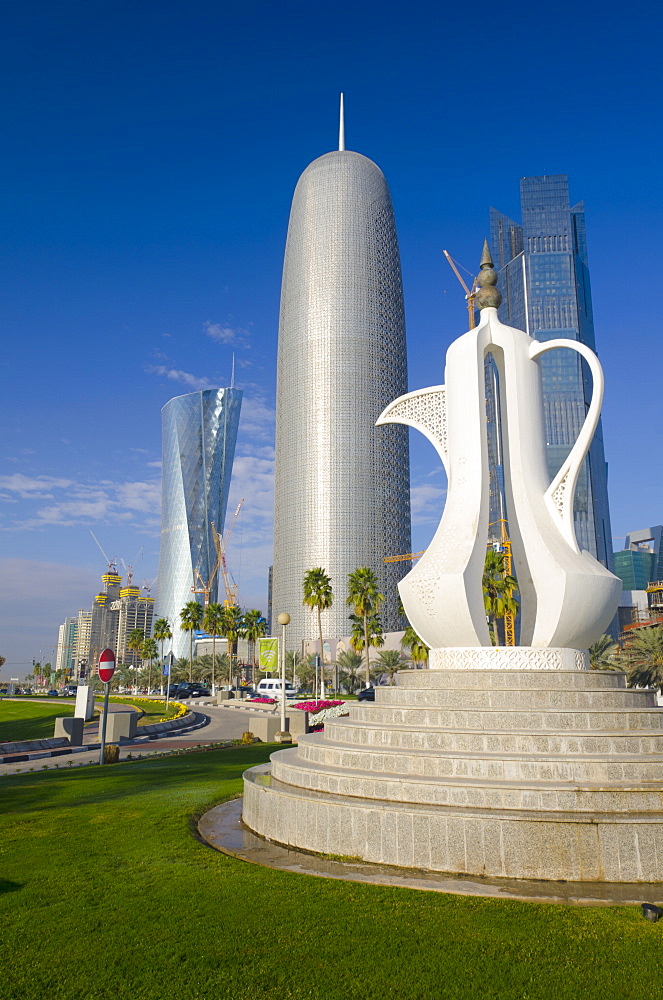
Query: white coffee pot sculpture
[567, 598]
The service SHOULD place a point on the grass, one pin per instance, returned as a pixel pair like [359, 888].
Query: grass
[33, 720]
[30, 720]
[109, 895]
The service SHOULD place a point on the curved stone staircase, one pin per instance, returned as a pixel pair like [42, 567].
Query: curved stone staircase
[542, 774]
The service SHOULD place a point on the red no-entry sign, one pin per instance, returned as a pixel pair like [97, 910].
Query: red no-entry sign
[106, 665]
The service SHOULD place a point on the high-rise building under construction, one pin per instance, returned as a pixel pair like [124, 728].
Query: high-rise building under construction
[342, 485]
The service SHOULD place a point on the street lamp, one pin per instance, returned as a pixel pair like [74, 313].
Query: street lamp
[283, 736]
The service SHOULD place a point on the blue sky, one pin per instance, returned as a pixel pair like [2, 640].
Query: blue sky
[150, 155]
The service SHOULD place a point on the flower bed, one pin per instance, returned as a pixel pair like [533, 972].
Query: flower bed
[262, 701]
[321, 710]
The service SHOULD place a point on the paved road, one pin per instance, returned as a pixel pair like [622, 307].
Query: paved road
[220, 724]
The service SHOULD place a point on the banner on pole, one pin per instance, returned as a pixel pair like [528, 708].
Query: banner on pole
[268, 653]
[166, 669]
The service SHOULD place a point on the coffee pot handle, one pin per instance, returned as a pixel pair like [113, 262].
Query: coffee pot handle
[560, 494]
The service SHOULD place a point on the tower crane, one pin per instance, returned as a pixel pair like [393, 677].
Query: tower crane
[112, 563]
[470, 295]
[221, 544]
[204, 587]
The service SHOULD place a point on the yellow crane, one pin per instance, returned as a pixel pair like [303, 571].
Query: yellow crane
[221, 544]
[205, 587]
[408, 555]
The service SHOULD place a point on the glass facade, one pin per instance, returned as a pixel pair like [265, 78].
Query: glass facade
[544, 281]
[199, 433]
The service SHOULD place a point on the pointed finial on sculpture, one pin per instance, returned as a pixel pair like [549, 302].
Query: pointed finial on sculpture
[486, 280]
[341, 126]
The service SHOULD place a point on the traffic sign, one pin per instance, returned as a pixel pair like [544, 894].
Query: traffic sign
[106, 665]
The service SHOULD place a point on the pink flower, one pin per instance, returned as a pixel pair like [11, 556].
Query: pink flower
[316, 706]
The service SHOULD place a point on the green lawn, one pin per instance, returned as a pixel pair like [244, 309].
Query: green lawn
[30, 720]
[108, 895]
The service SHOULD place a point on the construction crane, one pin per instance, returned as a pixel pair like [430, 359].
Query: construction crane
[112, 563]
[408, 556]
[204, 587]
[470, 295]
[221, 545]
[129, 570]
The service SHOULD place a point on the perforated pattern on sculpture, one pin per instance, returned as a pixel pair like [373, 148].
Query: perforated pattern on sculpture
[429, 410]
[515, 658]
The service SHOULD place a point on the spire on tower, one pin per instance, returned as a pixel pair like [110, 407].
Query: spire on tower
[341, 126]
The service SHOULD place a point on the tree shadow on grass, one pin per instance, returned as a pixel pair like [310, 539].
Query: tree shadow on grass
[6, 886]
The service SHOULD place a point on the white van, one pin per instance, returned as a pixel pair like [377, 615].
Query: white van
[270, 687]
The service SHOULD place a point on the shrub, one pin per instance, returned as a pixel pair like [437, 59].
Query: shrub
[248, 737]
[111, 754]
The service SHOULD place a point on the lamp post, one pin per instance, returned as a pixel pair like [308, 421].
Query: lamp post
[283, 736]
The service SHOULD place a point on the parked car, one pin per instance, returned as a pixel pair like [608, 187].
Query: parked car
[70, 692]
[366, 694]
[52, 693]
[188, 689]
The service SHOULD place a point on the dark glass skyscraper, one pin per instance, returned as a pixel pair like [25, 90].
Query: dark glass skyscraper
[544, 280]
[199, 432]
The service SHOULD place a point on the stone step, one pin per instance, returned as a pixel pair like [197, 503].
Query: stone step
[513, 679]
[631, 768]
[533, 720]
[510, 698]
[606, 847]
[407, 737]
[478, 793]
[467, 792]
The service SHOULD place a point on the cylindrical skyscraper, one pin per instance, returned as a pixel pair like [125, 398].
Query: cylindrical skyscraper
[342, 491]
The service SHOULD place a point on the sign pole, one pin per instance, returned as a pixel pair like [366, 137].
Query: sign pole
[103, 723]
[106, 671]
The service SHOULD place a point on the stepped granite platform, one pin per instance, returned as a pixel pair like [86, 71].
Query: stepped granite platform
[522, 773]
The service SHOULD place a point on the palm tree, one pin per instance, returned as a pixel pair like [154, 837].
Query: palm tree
[498, 589]
[149, 652]
[161, 633]
[350, 663]
[255, 626]
[213, 623]
[293, 663]
[411, 641]
[644, 658]
[375, 633]
[191, 617]
[391, 661]
[602, 654]
[365, 599]
[135, 641]
[233, 629]
[318, 596]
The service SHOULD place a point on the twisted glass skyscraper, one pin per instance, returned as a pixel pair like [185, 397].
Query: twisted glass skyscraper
[342, 485]
[199, 433]
[544, 280]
